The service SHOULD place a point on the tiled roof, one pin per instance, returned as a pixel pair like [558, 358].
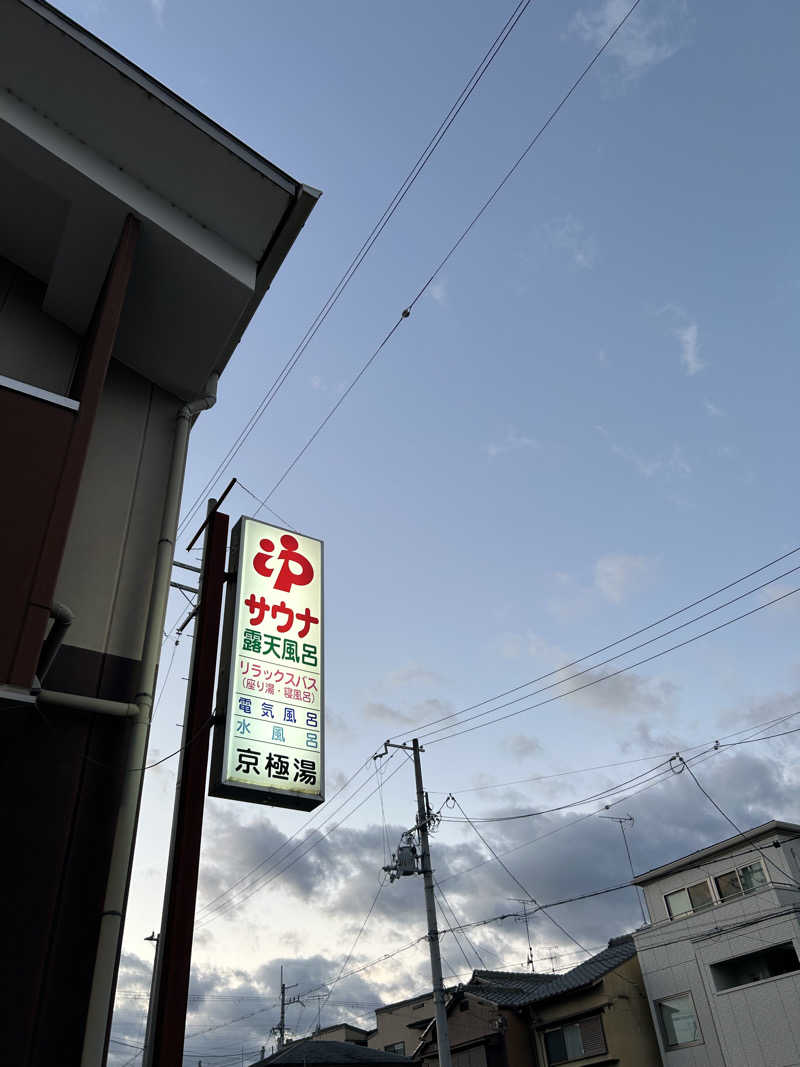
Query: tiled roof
[332, 1052]
[515, 990]
[506, 988]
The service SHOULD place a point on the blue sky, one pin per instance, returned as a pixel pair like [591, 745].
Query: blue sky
[587, 422]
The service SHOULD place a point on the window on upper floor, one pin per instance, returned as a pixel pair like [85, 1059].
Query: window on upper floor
[726, 886]
[574, 1041]
[398, 1047]
[768, 962]
[740, 880]
[678, 1021]
[685, 901]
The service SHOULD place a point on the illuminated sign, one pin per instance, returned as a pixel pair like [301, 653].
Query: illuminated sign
[268, 730]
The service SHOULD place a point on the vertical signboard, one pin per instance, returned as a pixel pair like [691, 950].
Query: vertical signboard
[268, 732]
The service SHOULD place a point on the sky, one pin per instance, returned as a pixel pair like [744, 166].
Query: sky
[586, 424]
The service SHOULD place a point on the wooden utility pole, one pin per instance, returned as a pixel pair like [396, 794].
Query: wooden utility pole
[425, 869]
[166, 1024]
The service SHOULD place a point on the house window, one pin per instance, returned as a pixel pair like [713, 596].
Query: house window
[685, 901]
[678, 1021]
[741, 880]
[398, 1047]
[573, 1041]
[755, 966]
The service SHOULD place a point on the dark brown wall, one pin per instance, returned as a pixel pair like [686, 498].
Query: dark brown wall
[36, 538]
[59, 794]
[62, 771]
[34, 435]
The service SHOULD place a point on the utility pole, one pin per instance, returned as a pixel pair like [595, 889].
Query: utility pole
[166, 1020]
[621, 821]
[424, 818]
[280, 1029]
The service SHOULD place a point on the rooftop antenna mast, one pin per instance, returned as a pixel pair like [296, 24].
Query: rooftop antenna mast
[621, 820]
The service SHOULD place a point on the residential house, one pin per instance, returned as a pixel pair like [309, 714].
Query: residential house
[398, 1026]
[721, 956]
[311, 1053]
[354, 1035]
[594, 1014]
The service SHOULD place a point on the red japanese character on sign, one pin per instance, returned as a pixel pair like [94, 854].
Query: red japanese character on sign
[258, 609]
[281, 609]
[307, 619]
[295, 568]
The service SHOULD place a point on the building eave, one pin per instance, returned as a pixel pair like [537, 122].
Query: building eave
[766, 829]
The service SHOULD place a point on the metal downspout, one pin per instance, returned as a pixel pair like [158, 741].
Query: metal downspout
[104, 980]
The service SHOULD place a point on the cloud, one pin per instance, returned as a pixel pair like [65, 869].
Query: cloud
[690, 348]
[512, 442]
[647, 38]
[329, 890]
[523, 746]
[713, 411]
[624, 694]
[567, 235]
[670, 463]
[438, 291]
[615, 576]
[375, 709]
[159, 6]
[413, 674]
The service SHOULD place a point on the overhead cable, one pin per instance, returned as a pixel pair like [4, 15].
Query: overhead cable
[453, 248]
[363, 251]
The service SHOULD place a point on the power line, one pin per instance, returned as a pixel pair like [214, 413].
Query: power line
[602, 795]
[738, 830]
[356, 939]
[518, 883]
[365, 248]
[209, 904]
[445, 903]
[612, 674]
[664, 775]
[615, 643]
[454, 247]
[267, 878]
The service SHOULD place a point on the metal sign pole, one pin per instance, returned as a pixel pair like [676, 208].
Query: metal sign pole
[168, 1011]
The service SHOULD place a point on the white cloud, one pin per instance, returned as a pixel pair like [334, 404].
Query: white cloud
[439, 291]
[713, 410]
[646, 39]
[671, 463]
[567, 235]
[159, 7]
[615, 576]
[317, 382]
[690, 348]
[512, 442]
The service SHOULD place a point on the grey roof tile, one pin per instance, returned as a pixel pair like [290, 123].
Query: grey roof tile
[515, 990]
[332, 1052]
